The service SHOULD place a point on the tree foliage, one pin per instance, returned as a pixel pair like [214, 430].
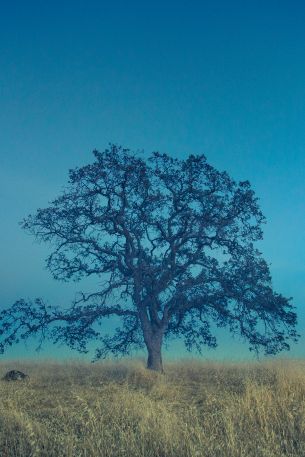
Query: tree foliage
[171, 243]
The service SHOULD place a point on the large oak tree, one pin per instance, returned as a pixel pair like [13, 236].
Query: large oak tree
[171, 243]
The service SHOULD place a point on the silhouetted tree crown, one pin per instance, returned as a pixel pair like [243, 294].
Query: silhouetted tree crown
[171, 243]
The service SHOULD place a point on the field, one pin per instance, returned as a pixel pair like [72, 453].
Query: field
[122, 410]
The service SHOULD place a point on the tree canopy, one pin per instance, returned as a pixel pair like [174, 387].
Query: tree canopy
[171, 243]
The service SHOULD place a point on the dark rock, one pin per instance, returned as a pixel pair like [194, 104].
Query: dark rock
[14, 375]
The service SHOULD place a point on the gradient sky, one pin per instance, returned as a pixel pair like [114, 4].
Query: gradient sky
[226, 79]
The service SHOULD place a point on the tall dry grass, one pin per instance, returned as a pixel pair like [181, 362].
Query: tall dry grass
[122, 410]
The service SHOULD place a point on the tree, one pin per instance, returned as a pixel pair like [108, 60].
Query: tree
[172, 241]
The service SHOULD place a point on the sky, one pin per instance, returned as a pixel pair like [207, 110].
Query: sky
[226, 79]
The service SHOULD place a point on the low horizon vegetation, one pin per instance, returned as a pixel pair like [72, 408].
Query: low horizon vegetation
[116, 409]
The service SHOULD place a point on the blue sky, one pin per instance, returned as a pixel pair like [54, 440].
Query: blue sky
[226, 79]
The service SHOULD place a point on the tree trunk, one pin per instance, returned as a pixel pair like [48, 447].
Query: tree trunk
[153, 337]
[154, 360]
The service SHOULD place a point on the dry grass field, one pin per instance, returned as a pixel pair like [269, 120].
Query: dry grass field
[122, 410]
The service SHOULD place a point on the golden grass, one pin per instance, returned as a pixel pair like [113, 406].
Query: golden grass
[197, 409]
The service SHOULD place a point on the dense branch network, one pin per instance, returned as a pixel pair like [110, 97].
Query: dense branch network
[173, 241]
